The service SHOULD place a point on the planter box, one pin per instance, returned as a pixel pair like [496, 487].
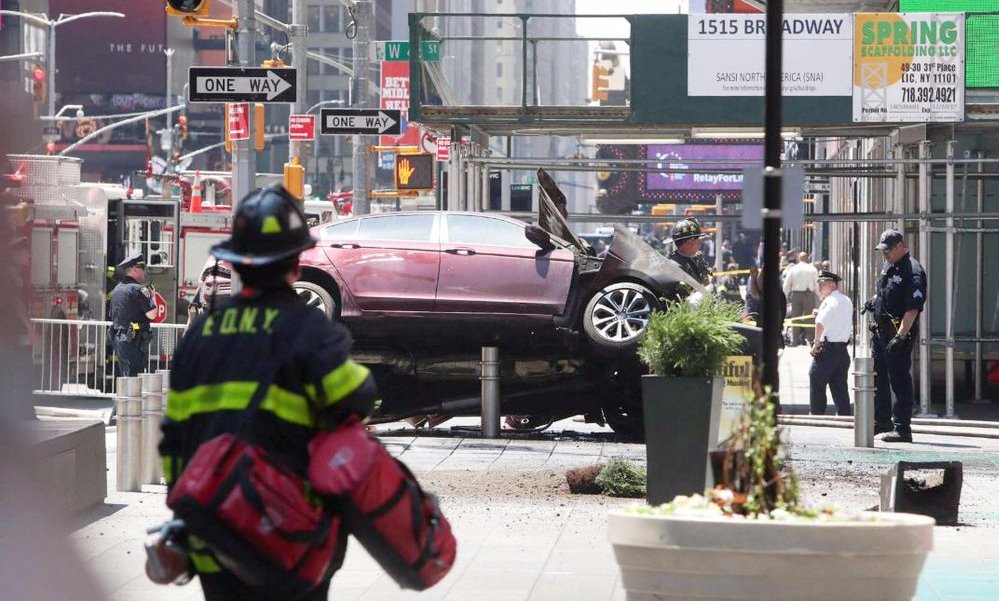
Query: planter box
[682, 418]
[714, 559]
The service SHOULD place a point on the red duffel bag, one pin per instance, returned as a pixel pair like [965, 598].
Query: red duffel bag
[258, 518]
[383, 506]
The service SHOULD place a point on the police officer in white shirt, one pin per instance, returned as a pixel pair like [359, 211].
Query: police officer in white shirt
[831, 363]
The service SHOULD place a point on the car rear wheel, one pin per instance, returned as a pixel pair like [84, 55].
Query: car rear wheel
[316, 296]
[618, 315]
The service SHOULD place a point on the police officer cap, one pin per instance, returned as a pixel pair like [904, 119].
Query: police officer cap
[136, 260]
[889, 238]
[269, 227]
[828, 276]
[685, 229]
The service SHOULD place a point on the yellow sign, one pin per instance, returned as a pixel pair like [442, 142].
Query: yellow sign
[738, 372]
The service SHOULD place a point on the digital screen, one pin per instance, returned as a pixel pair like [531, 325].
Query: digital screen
[687, 158]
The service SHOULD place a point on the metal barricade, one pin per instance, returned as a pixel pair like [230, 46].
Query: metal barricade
[76, 358]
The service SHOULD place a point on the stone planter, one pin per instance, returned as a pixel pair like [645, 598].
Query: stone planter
[713, 559]
[681, 425]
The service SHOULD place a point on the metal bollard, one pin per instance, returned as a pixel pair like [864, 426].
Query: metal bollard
[152, 412]
[490, 392]
[863, 401]
[129, 443]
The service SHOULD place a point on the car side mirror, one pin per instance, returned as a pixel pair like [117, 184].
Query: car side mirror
[539, 237]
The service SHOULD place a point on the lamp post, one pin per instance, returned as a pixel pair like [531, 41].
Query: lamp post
[43, 20]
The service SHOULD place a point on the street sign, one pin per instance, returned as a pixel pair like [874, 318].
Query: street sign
[234, 84]
[443, 148]
[399, 51]
[301, 128]
[360, 121]
[239, 121]
[52, 130]
[161, 308]
[414, 171]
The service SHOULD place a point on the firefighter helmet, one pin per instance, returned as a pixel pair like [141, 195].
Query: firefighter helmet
[269, 227]
[685, 229]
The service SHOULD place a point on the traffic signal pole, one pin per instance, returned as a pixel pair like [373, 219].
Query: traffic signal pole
[362, 15]
[244, 154]
[297, 37]
[773, 309]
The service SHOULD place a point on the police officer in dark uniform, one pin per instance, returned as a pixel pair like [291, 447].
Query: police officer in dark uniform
[901, 294]
[230, 348]
[686, 253]
[132, 308]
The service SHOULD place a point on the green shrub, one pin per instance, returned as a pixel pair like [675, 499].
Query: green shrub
[691, 340]
[622, 478]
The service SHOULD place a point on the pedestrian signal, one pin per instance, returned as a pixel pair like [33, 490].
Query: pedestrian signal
[600, 83]
[38, 83]
[414, 171]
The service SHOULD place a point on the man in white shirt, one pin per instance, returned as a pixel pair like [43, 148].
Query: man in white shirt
[831, 363]
[799, 287]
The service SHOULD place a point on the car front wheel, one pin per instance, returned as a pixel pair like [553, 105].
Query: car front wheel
[618, 315]
[316, 296]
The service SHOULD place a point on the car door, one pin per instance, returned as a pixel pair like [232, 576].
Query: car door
[489, 266]
[390, 262]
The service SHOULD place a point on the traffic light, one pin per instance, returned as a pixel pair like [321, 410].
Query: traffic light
[187, 8]
[182, 127]
[38, 83]
[258, 125]
[600, 83]
[294, 178]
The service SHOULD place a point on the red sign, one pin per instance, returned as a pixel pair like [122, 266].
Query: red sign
[301, 128]
[161, 308]
[239, 121]
[443, 148]
[395, 95]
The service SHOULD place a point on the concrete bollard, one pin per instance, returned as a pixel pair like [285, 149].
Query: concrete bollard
[129, 443]
[863, 401]
[152, 413]
[490, 392]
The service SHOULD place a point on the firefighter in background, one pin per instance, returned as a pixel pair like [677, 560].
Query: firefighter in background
[686, 253]
[222, 357]
[132, 309]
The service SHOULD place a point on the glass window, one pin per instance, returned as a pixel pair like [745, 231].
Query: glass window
[332, 17]
[340, 231]
[471, 229]
[312, 18]
[411, 228]
[499, 69]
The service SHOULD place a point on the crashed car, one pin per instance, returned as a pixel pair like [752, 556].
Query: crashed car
[423, 292]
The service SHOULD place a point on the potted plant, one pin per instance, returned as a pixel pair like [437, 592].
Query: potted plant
[685, 348]
[751, 539]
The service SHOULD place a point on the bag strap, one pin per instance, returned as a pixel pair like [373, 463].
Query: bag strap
[284, 342]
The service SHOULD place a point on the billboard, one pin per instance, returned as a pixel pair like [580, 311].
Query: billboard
[688, 157]
[727, 58]
[909, 67]
[110, 55]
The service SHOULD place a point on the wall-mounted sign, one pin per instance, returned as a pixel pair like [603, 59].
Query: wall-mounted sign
[908, 67]
[727, 55]
[699, 169]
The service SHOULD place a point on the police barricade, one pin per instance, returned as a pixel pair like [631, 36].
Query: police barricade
[75, 357]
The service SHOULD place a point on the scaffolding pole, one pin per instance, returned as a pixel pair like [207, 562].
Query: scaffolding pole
[949, 285]
[979, 292]
[924, 249]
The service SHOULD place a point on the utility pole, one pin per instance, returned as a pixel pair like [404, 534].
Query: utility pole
[362, 15]
[244, 154]
[168, 147]
[773, 310]
[297, 38]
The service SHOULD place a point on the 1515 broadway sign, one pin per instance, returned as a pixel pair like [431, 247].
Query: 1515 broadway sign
[727, 55]
[908, 67]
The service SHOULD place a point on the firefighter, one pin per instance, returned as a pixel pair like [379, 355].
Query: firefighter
[223, 355]
[132, 309]
[686, 253]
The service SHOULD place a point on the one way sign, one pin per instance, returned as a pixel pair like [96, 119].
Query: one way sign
[361, 121]
[234, 84]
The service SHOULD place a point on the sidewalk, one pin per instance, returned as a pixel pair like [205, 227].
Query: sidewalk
[523, 537]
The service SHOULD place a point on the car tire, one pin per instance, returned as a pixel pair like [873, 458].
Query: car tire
[617, 316]
[316, 296]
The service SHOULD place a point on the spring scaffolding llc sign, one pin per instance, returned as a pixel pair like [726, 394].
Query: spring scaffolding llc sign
[908, 67]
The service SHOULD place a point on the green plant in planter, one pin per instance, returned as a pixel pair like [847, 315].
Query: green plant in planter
[689, 339]
[622, 478]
